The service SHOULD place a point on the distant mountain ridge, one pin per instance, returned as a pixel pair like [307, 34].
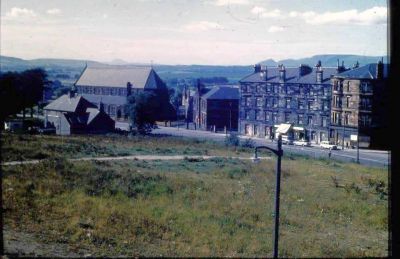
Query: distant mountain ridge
[233, 73]
[328, 60]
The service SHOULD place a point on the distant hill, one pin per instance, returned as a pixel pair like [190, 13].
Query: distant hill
[73, 67]
[329, 60]
[18, 64]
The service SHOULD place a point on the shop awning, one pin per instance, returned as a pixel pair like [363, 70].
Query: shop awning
[283, 128]
[298, 128]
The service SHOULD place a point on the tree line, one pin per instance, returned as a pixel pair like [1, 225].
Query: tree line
[21, 90]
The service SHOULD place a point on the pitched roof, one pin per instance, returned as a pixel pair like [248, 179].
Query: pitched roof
[118, 76]
[365, 72]
[68, 104]
[292, 76]
[108, 99]
[222, 93]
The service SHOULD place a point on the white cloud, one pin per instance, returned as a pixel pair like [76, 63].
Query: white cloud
[17, 12]
[105, 16]
[203, 26]
[261, 12]
[53, 11]
[274, 28]
[257, 10]
[230, 2]
[374, 15]
[275, 13]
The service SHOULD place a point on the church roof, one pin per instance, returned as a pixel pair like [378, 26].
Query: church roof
[118, 76]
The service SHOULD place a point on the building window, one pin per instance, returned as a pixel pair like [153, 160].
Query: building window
[336, 101]
[301, 104]
[348, 98]
[366, 87]
[310, 105]
[275, 102]
[287, 116]
[300, 119]
[247, 115]
[259, 89]
[324, 121]
[267, 116]
[248, 101]
[336, 118]
[274, 117]
[348, 86]
[247, 129]
[259, 102]
[259, 115]
[325, 106]
[267, 103]
[346, 118]
[365, 120]
[288, 100]
[275, 87]
[255, 130]
[310, 120]
[365, 103]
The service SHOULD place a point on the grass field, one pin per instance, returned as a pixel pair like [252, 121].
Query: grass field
[219, 207]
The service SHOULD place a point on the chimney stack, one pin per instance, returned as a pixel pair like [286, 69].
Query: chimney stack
[72, 92]
[379, 69]
[356, 65]
[257, 68]
[264, 73]
[282, 73]
[304, 69]
[128, 88]
[319, 72]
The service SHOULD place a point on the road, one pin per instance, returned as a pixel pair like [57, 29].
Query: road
[366, 157]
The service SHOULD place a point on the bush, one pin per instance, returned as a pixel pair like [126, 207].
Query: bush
[232, 140]
[248, 143]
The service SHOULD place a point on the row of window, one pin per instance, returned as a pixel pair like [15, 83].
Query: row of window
[340, 86]
[273, 117]
[102, 90]
[365, 102]
[286, 89]
[289, 103]
[344, 119]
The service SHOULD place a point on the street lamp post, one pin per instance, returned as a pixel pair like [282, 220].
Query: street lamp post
[279, 153]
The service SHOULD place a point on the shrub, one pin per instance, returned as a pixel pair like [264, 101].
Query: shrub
[232, 140]
[249, 143]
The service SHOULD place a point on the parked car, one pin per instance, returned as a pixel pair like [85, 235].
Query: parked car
[327, 145]
[286, 140]
[302, 142]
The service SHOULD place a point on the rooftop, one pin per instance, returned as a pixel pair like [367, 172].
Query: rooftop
[222, 93]
[119, 76]
[365, 72]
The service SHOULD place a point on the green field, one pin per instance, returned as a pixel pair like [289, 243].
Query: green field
[193, 207]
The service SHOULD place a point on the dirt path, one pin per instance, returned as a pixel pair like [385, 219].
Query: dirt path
[20, 244]
[137, 157]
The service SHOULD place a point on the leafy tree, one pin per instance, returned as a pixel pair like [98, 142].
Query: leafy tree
[19, 91]
[142, 108]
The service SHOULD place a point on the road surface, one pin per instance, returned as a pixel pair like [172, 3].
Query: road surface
[366, 157]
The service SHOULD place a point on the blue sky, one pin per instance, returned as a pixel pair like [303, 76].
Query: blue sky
[215, 32]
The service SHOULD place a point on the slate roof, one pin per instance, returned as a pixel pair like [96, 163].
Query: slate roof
[222, 93]
[107, 99]
[68, 104]
[365, 72]
[292, 76]
[118, 76]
